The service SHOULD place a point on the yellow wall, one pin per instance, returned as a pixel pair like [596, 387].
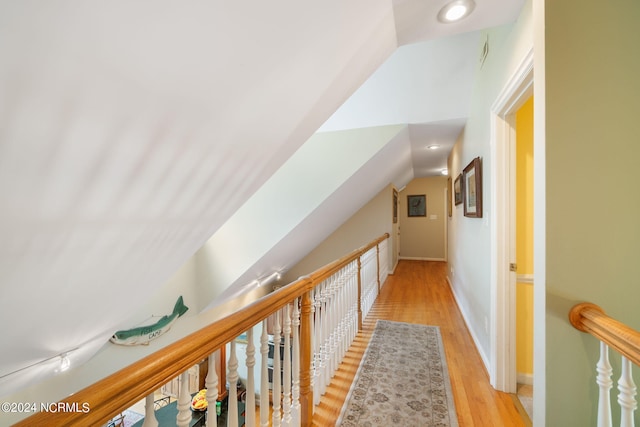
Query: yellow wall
[524, 237]
[423, 237]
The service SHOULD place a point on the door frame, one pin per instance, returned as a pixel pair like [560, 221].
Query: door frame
[503, 281]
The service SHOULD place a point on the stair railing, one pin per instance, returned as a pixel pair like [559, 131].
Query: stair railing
[315, 317]
[592, 319]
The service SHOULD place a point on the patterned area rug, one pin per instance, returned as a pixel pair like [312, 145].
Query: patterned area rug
[402, 380]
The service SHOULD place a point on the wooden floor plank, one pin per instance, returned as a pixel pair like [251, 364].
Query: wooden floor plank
[418, 292]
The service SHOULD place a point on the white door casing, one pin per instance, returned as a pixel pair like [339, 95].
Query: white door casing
[503, 281]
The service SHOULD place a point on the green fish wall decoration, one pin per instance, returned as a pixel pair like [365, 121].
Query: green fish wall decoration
[144, 334]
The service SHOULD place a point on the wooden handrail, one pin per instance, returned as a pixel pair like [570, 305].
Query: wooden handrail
[592, 319]
[111, 395]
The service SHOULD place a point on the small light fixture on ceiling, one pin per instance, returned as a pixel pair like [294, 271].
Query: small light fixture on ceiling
[64, 362]
[433, 147]
[456, 10]
[444, 172]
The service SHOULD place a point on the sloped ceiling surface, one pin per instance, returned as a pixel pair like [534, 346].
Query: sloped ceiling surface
[244, 248]
[130, 132]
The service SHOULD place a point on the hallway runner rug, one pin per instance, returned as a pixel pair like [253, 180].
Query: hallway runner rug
[402, 380]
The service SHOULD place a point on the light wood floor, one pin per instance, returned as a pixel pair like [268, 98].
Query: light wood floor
[419, 293]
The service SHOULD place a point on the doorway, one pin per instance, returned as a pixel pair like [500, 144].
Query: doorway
[503, 239]
[524, 254]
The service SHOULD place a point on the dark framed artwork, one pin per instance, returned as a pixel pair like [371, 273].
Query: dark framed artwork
[473, 189]
[417, 205]
[395, 206]
[449, 195]
[457, 190]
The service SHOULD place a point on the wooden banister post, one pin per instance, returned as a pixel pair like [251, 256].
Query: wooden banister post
[359, 294]
[306, 348]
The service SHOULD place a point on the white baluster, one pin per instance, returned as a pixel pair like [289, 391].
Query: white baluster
[232, 379]
[264, 377]
[626, 397]
[316, 314]
[326, 337]
[211, 383]
[275, 378]
[604, 382]
[250, 408]
[342, 298]
[295, 388]
[286, 395]
[353, 300]
[366, 284]
[320, 343]
[149, 412]
[332, 326]
[363, 286]
[344, 345]
[184, 401]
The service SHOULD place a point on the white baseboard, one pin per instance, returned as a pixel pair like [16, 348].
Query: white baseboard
[393, 269]
[526, 379]
[465, 317]
[421, 259]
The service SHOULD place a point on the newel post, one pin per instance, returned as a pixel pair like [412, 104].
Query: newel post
[306, 336]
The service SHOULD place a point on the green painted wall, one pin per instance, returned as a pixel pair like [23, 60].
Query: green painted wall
[593, 202]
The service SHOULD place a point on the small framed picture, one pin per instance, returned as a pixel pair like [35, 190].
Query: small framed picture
[395, 206]
[473, 189]
[449, 196]
[457, 190]
[417, 205]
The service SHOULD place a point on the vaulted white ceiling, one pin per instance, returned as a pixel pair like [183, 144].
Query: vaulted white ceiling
[130, 133]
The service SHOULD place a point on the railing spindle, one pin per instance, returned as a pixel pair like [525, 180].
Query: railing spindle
[306, 346]
[275, 378]
[150, 412]
[317, 343]
[626, 397]
[604, 382]
[184, 401]
[264, 376]
[232, 378]
[295, 382]
[286, 369]
[211, 383]
[250, 408]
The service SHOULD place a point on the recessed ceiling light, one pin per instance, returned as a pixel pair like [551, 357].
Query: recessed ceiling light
[444, 172]
[455, 11]
[433, 147]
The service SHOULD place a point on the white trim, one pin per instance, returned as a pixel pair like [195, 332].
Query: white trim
[465, 317]
[393, 270]
[446, 222]
[526, 379]
[519, 87]
[410, 258]
[525, 278]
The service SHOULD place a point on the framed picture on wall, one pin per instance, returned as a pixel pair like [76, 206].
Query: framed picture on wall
[417, 205]
[395, 206]
[457, 190]
[449, 195]
[473, 189]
